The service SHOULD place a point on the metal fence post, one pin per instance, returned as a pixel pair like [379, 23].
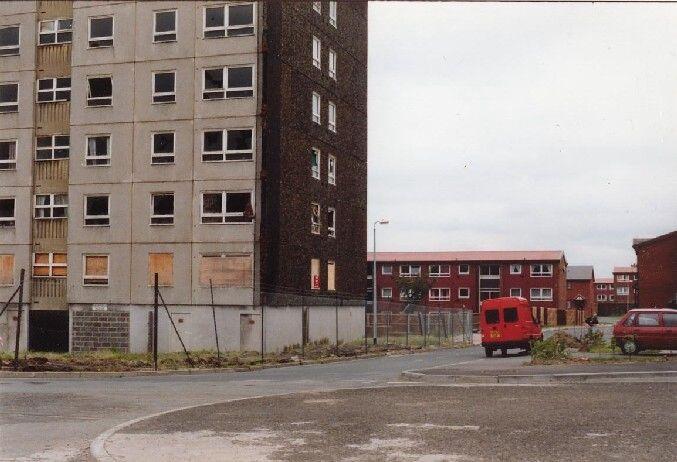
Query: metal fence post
[407, 336]
[155, 320]
[216, 332]
[439, 328]
[451, 318]
[337, 324]
[18, 318]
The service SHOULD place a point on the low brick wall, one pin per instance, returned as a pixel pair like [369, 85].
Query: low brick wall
[99, 330]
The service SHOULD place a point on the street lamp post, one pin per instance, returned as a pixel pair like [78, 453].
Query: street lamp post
[374, 295]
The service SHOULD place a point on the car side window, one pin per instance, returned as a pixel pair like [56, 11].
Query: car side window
[491, 316]
[631, 320]
[510, 315]
[670, 319]
[647, 319]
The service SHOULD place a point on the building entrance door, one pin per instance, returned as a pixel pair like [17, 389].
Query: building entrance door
[48, 330]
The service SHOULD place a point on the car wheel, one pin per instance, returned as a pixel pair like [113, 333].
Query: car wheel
[629, 347]
[504, 352]
[528, 349]
[488, 352]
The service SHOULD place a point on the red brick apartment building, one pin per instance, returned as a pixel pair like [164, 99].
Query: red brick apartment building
[581, 289]
[604, 291]
[464, 279]
[657, 270]
[625, 285]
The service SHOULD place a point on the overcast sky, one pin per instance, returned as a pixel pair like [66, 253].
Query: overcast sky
[523, 126]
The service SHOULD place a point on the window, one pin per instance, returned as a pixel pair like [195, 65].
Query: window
[515, 269]
[490, 271]
[8, 155]
[97, 211]
[332, 117]
[404, 295]
[101, 32]
[98, 150]
[647, 320]
[317, 106]
[315, 218]
[516, 292]
[7, 219]
[387, 292]
[164, 26]
[332, 64]
[162, 209]
[541, 295]
[6, 270]
[230, 21]
[601, 298]
[164, 87]
[317, 6]
[331, 222]
[227, 207]
[438, 270]
[9, 40]
[55, 89]
[630, 320]
[510, 315]
[332, 13]
[331, 170]
[317, 52]
[611, 298]
[315, 161]
[56, 31]
[50, 265]
[239, 82]
[541, 269]
[439, 295]
[315, 274]
[52, 147]
[387, 269]
[623, 290]
[331, 275]
[163, 265]
[237, 145]
[463, 269]
[623, 277]
[409, 271]
[51, 206]
[463, 292]
[99, 91]
[163, 148]
[9, 97]
[491, 316]
[95, 270]
[669, 319]
[225, 270]
[601, 286]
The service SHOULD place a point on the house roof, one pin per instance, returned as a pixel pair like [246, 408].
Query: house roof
[580, 273]
[625, 269]
[472, 255]
[604, 280]
[639, 242]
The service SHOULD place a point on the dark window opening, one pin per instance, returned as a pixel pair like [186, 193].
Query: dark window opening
[240, 82]
[491, 316]
[101, 32]
[100, 91]
[96, 210]
[163, 209]
[7, 213]
[165, 26]
[163, 87]
[9, 40]
[510, 315]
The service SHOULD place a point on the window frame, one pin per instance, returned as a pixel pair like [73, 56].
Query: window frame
[515, 265]
[601, 297]
[541, 273]
[173, 32]
[53, 147]
[15, 50]
[106, 38]
[409, 273]
[331, 116]
[317, 114]
[317, 52]
[439, 297]
[331, 224]
[224, 153]
[9, 222]
[12, 106]
[383, 293]
[107, 157]
[96, 217]
[463, 297]
[316, 171]
[57, 30]
[333, 14]
[159, 218]
[51, 207]
[623, 291]
[226, 21]
[463, 273]
[439, 273]
[162, 155]
[332, 62]
[519, 289]
[331, 171]
[86, 277]
[103, 99]
[315, 218]
[317, 7]
[160, 94]
[541, 297]
[53, 91]
[9, 161]
[386, 273]
[225, 215]
[225, 88]
[50, 265]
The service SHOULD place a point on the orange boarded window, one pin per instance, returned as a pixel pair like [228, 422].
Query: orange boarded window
[331, 275]
[163, 265]
[226, 270]
[96, 270]
[6, 270]
[50, 265]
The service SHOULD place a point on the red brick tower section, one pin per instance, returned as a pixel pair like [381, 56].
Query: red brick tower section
[657, 271]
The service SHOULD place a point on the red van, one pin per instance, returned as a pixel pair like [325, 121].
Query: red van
[647, 329]
[507, 322]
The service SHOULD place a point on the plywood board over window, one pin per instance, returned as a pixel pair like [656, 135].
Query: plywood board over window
[331, 275]
[6, 270]
[226, 270]
[96, 270]
[163, 265]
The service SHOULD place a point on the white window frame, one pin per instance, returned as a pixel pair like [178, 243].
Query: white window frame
[16, 48]
[317, 7]
[96, 217]
[160, 94]
[541, 270]
[107, 157]
[409, 273]
[10, 162]
[611, 297]
[515, 268]
[331, 170]
[462, 273]
[601, 298]
[331, 226]
[223, 215]
[436, 294]
[51, 265]
[159, 218]
[162, 155]
[53, 147]
[387, 292]
[389, 272]
[623, 291]
[331, 116]
[315, 226]
[157, 34]
[317, 108]
[331, 65]
[99, 98]
[86, 277]
[8, 222]
[91, 39]
[11, 104]
[226, 28]
[463, 297]
[317, 52]
[225, 88]
[315, 171]
[333, 14]
[57, 30]
[519, 292]
[439, 272]
[224, 152]
[541, 297]
[53, 91]
[51, 207]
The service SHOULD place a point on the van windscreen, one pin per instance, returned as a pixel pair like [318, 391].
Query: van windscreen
[510, 315]
[491, 316]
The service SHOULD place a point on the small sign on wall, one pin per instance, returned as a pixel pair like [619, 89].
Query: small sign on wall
[99, 307]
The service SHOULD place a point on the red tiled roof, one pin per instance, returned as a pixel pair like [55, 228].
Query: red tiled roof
[625, 269]
[472, 255]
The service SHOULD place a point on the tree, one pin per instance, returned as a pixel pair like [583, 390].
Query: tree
[414, 289]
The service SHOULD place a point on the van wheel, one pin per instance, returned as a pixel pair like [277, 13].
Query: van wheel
[629, 347]
[488, 352]
[504, 352]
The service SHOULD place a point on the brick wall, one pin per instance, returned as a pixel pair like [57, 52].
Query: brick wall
[100, 330]
[657, 270]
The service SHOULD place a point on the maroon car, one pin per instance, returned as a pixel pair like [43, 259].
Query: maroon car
[647, 329]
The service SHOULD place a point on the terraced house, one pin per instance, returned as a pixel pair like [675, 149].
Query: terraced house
[213, 143]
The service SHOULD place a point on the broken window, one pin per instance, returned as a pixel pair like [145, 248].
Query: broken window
[163, 265]
[331, 222]
[7, 219]
[98, 150]
[9, 97]
[8, 155]
[6, 270]
[331, 275]
[163, 148]
[315, 221]
[463, 292]
[317, 52]
[54, 89]
[50, 265]
[238, 145]
[101, 32]
[331, 124]
[331, 170]
[162, 209]
[315, 161]
[317, 106]
[95, 270]
[231, 21]
[315, 274]
[164, 26]
[97, 211]
[52, 147]
[99, 91]
[9, 40]
[226, 270]
[56, 31]
[491, 316]
[51, 206]
[164, 87]
[227, 207]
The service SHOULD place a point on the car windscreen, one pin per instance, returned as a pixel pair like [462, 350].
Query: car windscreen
[510, 315]
[491, 316]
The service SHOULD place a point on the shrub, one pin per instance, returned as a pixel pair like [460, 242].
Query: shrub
[551, 349]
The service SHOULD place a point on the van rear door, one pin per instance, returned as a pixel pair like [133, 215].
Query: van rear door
[512, 330]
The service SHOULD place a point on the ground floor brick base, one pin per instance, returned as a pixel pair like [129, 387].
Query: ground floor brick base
[100, 330]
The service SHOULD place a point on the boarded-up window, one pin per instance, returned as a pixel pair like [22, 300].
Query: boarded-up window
[315, 274]
[96, 270]
[226, 270]
[46, 265]
[163, 265]
[6, 270]
[331, 275]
